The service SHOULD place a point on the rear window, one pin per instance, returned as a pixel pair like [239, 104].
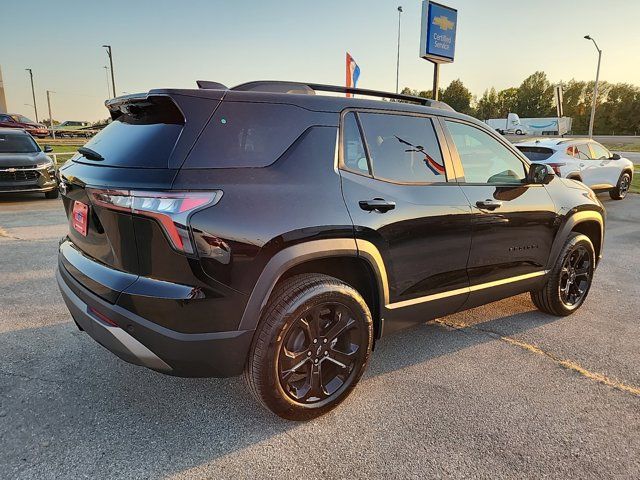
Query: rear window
[12, 143]
[536, 154]
[243, 134]
[143, 135]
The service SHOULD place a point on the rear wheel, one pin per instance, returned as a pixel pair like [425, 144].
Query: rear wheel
[311, 347]
[621, 189]
[570, 280]
[52, 194]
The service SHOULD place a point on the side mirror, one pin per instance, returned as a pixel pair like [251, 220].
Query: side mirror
[615, 156]
[48, 149]
[540, 173]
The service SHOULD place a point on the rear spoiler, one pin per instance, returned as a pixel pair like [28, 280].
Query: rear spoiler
[145, 108]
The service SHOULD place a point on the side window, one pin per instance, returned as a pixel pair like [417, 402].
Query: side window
[5, 118]
[354, 155]
[572, 151]
[583, 152]
[484, 159]
[403, 148]
[599, 152]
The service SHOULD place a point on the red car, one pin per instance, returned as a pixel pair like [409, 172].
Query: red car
[14, 120]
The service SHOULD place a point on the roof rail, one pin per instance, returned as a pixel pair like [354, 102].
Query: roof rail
[275, 86]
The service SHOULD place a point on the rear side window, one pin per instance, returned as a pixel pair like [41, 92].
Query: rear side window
[243, 134]
[536, 154]
[141, 136]
[582, 151]
[355, 157]
[403, 148]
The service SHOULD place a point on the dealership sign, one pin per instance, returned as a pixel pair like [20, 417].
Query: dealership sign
[438, 36]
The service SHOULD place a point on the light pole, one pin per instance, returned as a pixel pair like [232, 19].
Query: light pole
[595, 87]
[53, 132]
[106, 71]
[113, 80]
[398, 58]
[33, 92]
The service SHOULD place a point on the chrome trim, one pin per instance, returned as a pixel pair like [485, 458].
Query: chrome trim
[469, 289]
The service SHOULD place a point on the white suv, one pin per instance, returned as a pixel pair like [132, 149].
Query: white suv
[584, 160]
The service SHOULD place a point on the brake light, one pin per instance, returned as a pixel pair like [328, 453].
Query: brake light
[556, 167]
[170, 209]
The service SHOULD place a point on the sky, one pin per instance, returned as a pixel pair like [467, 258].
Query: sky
[169, 43]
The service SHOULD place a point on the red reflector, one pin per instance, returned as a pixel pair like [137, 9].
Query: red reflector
[103, 318]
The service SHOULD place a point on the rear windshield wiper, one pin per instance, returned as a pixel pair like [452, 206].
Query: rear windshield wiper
[91, 154]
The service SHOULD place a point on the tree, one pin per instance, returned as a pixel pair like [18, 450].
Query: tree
[489, 105]
[508, 99]
[457, 96]
[535, 96]
[47, 122]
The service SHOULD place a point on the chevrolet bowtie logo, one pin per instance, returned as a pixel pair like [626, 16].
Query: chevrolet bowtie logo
[444, 23]
[10, 170]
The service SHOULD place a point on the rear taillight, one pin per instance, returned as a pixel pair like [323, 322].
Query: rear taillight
[556, 167]
[170, 209]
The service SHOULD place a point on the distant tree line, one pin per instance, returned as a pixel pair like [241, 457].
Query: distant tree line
[618, 104]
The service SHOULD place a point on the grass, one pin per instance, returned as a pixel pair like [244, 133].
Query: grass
[62, 145]
[635, 183]
[623, 147]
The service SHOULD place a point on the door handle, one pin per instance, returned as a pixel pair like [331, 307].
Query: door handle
[377, 204]
[488, 204]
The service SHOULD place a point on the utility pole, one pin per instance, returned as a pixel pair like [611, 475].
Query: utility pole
[33, 92]
[106, 71]
[53, 132]
[595, 88]
[113, 79]
[398, 58]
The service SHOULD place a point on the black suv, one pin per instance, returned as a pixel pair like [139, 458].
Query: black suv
[268, 230]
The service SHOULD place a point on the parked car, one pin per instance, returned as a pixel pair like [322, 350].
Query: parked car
[24, 167]
[584, 160]
[271, 230]
[73, 128]
[14, 120]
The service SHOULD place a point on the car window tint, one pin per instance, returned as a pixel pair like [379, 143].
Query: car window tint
[354, 156]
[583, 151]
[485, 159]
[403, 148]
[599, 152]
[243, 134]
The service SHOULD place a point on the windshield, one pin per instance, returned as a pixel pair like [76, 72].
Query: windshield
[12, 143]
[22, 119]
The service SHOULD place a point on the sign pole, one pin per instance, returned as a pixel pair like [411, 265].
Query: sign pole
[436, 80]
[53, 132]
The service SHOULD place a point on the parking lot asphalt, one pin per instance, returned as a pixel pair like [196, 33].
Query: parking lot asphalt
[498, 391]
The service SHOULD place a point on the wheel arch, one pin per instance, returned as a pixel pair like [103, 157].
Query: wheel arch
[587, 222]
[359, 265]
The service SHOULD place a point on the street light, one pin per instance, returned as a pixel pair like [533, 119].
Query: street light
[398, 60]
[595, 87]
[113, 80]
[33, 92]
[106, 71]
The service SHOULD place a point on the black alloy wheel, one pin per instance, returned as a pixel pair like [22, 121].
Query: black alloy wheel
[575, 276]
[320, 352]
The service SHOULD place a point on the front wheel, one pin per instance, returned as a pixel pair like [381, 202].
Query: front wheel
[569, 282]
[311, 346]
[621, 189]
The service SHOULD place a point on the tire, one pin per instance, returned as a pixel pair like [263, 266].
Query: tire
[622, 187]
[518, 132]
[52, 194]
[576, 261]
[289, 373]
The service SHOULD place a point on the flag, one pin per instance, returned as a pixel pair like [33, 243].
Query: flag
[353, 72]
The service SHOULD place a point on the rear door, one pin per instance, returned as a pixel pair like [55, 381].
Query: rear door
[514, 223]
[401, 192]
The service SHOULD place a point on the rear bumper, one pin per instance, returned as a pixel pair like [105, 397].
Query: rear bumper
[141, 342]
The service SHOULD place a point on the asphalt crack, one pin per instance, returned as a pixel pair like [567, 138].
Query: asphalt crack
[562, 362]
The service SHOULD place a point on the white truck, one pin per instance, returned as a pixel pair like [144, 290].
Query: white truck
[509, 125]
[514, 125]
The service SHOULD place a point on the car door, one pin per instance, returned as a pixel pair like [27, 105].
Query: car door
[606, 170]
[514, 223]
[401, 192]
[588, 168]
